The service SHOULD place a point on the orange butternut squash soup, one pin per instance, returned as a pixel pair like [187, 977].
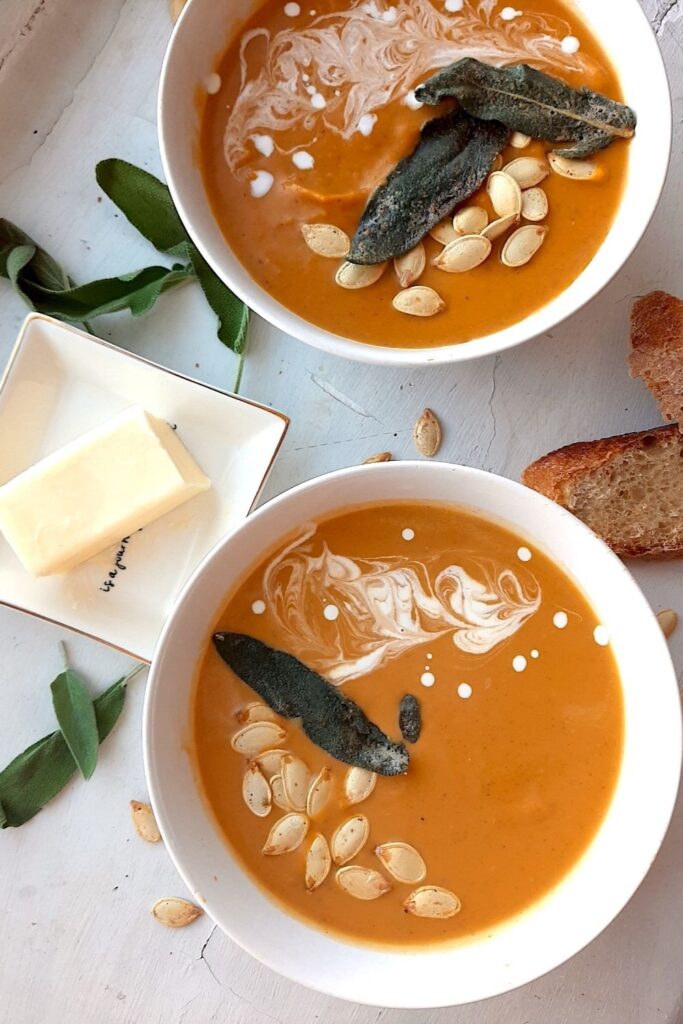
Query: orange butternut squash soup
[414, 172]
[408, 724]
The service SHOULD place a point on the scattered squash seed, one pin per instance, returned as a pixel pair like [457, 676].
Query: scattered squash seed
[444, 232]
[518, 140]
[427, 434]
[144, 822]
[379, 457]
[410, 265]
[419, 301]
[362, 883]
[326, 240]
[318, 862]
[534, 204]
[498, 227]
[466, 253]
[175, 912]
[504, 193]
[432, 901]
[668, 620]
[356, 275]
[579, 170]
[402, 861]
[471, 220]
[349, 838]
[527, 170]
[287, 834]
[523, 244]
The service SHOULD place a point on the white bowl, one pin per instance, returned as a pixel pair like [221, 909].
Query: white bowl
[520, 949]
[201, 36]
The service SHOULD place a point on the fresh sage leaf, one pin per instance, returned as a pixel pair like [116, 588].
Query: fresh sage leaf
[38, 774]
[232, 313]
[44, 270]
[147, 204]
[331, 720]
[529, 101]
[448, 165]
[136, 291]
[76, 717]
[145, 201]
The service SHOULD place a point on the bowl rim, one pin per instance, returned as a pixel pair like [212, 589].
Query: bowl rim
[546, 317]
[666, 795]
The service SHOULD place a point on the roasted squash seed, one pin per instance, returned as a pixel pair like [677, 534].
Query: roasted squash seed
[362, 883]
[579, 170]
[427, 434]
[410, 265]
[534, 204]
[527, 170]
[523, 244]
[504, 193]
[353, 275]
[471, 220]
[326, 240]
[466, 253]
[175, 912]
[419, 301]
[432, 901]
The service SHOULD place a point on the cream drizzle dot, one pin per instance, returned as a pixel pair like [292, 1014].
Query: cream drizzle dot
[212, 83]
[366, 124]
[560, 619]
[464, 690]
[411, 100]
[389, 15]
[427, 679]
[303, 160]
[601, 636]
[263, 144]
[523, 554]
[534, 653]
[258, 607]
[429, 657]
[453, 6]
[570, 44]
[331, 612]
[408, 534]
[318, 101]
[292, 10]
[519, 663]
[261, 184]
[509, 14]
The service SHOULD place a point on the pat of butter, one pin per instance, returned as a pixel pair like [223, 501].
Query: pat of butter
[99, 488]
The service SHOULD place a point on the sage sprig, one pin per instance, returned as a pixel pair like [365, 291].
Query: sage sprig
[76, 717]
[45, 286]
[147, 204]
[38, 774]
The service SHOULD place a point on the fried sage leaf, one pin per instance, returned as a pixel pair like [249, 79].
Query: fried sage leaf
[330, 720]
[410, 718]
[529, 101]
[449, 163]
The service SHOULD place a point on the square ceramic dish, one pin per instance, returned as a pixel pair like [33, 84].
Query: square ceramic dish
[59, 383]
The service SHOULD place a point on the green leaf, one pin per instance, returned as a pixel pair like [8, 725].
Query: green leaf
[76, 716]
[137, 291]
[529, 101]
[45, 270]
[145, 201]
[451, 160]
[34, 777]
[232, 313]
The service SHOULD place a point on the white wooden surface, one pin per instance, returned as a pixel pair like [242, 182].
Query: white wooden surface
[78, 83]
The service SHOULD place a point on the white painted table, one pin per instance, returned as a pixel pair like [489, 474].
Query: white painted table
[78, 83]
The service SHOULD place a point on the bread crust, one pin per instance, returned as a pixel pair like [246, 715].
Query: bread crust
[556, 473]
[657, 350]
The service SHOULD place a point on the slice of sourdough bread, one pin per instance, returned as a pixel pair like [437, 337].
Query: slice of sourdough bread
[627, 489]
[657, 350]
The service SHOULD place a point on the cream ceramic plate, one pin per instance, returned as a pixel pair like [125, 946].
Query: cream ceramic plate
[60, 382]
